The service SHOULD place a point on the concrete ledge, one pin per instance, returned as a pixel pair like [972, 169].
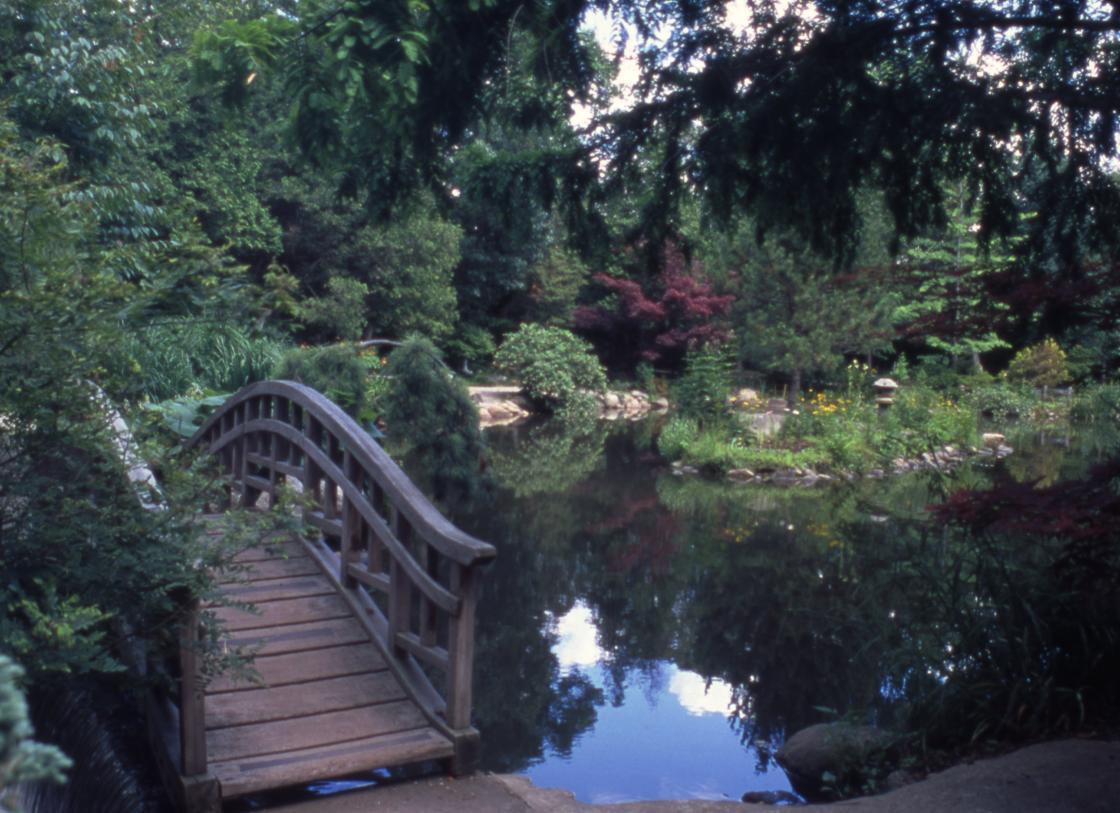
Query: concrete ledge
[1081, 775]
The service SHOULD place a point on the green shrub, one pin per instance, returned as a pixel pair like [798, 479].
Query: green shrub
[675, 437]
[21, 758]
[1097, 402]
[934, 371]
[999, 400]
[337, 371]
[172, 357]
[432, 418]
[342, 312]
[553, 365]
[701, 392]
[1040, 365]
[922, 420]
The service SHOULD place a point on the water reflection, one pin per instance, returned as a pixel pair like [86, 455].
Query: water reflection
[643, 635]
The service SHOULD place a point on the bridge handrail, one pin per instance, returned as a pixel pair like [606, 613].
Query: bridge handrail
[393, 545]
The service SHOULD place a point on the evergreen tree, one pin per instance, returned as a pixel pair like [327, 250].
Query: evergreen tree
[431, 419]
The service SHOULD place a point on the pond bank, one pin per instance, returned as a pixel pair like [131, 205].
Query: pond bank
[1081, 775]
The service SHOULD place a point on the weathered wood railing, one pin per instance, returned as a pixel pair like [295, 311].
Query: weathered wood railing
[410, 575]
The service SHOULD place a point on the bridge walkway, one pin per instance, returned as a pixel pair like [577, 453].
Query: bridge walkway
[327, 705]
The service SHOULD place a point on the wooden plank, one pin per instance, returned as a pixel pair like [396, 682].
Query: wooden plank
[301, 637]
[300, 667]
[274, 569]
[274, 589]
[280, 549]
[284, 611]
[301, 699]
[314, 731]
[243, 776]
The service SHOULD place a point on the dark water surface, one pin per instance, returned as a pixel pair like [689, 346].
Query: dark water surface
[644, 635]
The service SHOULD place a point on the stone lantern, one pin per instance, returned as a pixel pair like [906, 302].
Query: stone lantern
[884, 392]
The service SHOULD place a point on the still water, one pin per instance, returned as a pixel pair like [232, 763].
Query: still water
[644, 635]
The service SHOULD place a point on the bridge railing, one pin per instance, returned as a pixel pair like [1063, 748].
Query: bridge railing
[409, 573]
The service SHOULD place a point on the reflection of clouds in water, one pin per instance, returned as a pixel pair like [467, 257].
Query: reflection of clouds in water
[696, 698]
[577, 645]
[576, 634]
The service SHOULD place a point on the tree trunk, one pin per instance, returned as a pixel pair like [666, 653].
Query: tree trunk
[795, 388]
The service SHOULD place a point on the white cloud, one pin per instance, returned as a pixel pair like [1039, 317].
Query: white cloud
[577, 643]
[696, 697]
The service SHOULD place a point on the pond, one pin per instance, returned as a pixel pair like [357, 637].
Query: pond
[644, 635]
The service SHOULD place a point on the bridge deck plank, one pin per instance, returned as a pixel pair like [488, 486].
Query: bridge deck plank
[272, 589]
[281, 568]
[300, 637]
[297, 667]
[311, 731]
[281, 612]
[253, 774]
[301, 699]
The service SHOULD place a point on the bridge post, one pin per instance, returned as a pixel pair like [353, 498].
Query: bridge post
[192, 712]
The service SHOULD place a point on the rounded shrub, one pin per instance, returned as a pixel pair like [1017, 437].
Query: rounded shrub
[1040, 365]
[555, 367]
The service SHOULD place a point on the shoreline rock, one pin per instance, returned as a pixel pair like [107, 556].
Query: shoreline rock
[501, 405]
[944, 460]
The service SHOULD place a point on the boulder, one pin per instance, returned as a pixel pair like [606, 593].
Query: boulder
[826, 756]
[770, 797]
[992, 439]
[740, 475]
[612, 401]
[661, 404]
[746, 394]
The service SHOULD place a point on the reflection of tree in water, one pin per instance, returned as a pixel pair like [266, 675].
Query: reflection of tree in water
[632, 585]
[844, 598]
[522, 701]
[785, 621]
[548, 458]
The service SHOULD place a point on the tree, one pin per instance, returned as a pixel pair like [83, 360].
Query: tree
[793, 313]
[785, 115]
[432, 419]
[81, 560]
[661, 321]
[332, 249]
[947, 276]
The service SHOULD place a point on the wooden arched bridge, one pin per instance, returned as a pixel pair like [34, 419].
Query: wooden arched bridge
[364, 636]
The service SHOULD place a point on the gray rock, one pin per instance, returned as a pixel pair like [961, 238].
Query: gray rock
[770, 797]
[898, 779]
[992, 439]
[830, 753]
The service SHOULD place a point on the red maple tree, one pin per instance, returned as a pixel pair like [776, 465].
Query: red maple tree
[676, 311]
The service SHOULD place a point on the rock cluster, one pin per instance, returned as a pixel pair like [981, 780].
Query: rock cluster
[629, 405]
[500, 405]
